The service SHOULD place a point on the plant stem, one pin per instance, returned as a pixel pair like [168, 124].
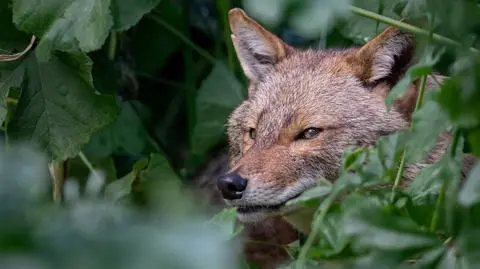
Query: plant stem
[421, 93]
[112, 46]
[399, 174]
[441, 196]
[182, 37]
[438, 203]
[89, 165]
[302, 256]
[57, 172]
[401, 167]
[407, 27]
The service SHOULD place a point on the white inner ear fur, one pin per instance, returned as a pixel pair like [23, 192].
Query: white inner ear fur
[385, 57]
[249, 45]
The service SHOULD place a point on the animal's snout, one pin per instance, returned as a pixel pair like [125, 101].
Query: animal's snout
[232, 186]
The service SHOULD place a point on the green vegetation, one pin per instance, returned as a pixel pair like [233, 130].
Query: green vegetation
[127, 99]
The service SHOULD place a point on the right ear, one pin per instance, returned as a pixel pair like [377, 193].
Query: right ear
[257, 49]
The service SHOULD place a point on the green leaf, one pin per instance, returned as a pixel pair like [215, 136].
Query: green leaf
[371, 227]
[469, 246]
[429, 121]
[58, 109]
[120, 188]
[226, 220]
[69, 25]
[127, 13]
[148, 58]
[126, 134]
[459, 95]
[218, 95]
[323, 189]
[65, 25]
[470, 192]
[158, 168]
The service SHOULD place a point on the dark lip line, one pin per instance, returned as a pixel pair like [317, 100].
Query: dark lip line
[255, 208]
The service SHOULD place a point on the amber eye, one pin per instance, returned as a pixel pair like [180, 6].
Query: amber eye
[309, 133]
[252, 133]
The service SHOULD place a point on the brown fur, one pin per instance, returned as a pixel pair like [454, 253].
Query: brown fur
[341, 92]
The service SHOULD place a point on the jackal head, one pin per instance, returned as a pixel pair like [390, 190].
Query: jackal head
[304, 108]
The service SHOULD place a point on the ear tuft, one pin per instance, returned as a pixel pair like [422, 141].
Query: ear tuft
[257, 49]
[386, 56]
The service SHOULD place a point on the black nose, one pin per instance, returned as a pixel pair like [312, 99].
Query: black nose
[231, 186]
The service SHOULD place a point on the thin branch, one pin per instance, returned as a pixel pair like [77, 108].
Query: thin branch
[13, 57]
[182, 37]
[89, 165]
[407, 27]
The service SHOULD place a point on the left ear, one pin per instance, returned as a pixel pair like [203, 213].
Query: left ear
[385, 57]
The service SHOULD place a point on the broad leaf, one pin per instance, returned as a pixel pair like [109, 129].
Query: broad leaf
[158, 168]
[120, 188]
[66, 25]
[218, 95]
[226, 220]
[323, 189]
[371, 227]
[126, 135]
[429, 122]
[58, 109]
[470, 192]
[148, 58]
[127, 13]
[69, 25]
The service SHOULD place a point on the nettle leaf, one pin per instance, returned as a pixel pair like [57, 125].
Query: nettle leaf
[226, 220]
[120, 188]
[371, 227]
[218, 95]
[460, 96]
[470, 192]
[69, 25]
[323, 189]
[127, 13]
[58, 109]
[429, 121]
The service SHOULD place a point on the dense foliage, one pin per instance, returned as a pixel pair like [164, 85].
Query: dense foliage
[127, 99]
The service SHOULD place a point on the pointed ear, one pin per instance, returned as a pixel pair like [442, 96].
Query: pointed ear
[257, 49]
[386, 56]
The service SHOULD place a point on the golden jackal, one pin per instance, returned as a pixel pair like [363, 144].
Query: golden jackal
[304, 108]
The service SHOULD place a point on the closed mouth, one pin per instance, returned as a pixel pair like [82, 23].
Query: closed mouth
[256, 208]
[246, 209]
